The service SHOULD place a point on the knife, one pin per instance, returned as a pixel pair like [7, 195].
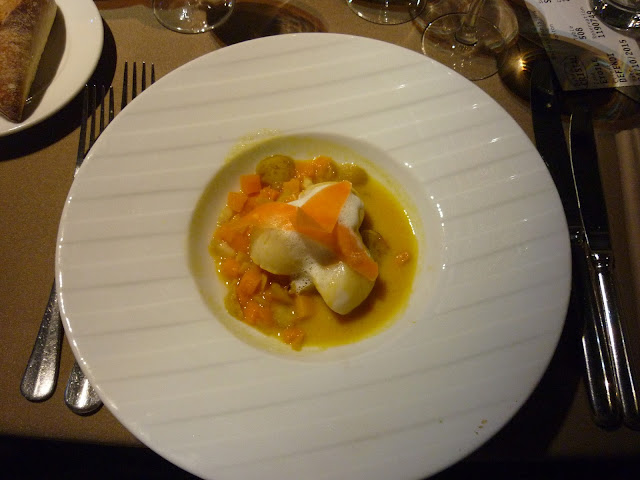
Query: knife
[551, 144]
[599, 254]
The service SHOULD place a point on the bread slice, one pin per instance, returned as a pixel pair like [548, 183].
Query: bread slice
[24, 29]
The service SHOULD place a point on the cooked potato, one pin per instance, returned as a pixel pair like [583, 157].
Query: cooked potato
[275, 170]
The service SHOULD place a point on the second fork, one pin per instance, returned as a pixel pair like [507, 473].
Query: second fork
[79, 395]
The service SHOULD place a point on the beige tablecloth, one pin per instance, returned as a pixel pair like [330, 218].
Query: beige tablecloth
[36, 168]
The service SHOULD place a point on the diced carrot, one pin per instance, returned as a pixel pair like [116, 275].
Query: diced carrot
[269, 193]
[292, 186]
[230, 268]
[294, 336]
[236, 201]
[250, 183]
[305, 168]
[257, 315]
[253, 202]
[249, 283]
[352, 252]
[303, 306]
[235, 233]
[402, 258]
[290, 190]
[325, 206]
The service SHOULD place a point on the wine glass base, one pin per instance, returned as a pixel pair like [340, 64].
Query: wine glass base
[387, 12]
[192, 16]
[475, 62]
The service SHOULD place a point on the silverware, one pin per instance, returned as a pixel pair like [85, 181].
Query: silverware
[599, 255]
[550, 142]
[79, 395]
[40, 376]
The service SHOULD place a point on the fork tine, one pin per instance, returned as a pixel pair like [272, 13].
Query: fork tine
[111, 107]
[125, 86]
[82, 144]
[134, 82]
[102, 112]
[92, 108]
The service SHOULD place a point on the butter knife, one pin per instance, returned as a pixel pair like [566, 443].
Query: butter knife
[599, 255]
[551, 144]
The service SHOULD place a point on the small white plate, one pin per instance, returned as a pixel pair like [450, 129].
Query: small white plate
[142, 309]
[70, 56]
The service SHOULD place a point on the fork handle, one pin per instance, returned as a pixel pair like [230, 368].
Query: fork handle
[605, 291]
[79, 395]
[40, 376]
[600, 380]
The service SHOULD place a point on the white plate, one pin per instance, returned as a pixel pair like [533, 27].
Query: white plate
[490, 295]
[71, 54]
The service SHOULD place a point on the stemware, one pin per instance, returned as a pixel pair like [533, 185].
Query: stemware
[387, 12]
[467, 42]
[620, 14]
[192, 16]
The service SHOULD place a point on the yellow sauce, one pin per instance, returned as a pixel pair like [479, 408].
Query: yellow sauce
[325, 328]
[385, 215]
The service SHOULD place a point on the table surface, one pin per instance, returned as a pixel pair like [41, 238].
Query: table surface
[36, 169]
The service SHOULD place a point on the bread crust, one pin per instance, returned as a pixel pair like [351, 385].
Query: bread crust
[24, 29]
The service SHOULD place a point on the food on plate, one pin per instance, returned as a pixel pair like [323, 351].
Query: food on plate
[24, 29]
[313, 252]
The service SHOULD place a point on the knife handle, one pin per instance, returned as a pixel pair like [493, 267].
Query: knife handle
[600, 378]
[605, 291]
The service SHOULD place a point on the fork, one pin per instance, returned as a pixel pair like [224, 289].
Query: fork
[79, 395]
[40, 376]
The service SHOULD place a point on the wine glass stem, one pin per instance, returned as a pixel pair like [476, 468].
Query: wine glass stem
[467, 33]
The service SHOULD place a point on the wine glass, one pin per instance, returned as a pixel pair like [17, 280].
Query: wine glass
[192, 16]
[466, 42]
[387, 12]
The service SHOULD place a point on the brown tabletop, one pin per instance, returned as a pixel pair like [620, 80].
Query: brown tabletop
[36, 168]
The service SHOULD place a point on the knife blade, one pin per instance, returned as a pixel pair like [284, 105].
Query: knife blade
[552, 146]
[591, 202]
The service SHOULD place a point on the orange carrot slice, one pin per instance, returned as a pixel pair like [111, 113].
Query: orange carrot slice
[324, 207]
[274, 215]
[307, 226]
[352, 252]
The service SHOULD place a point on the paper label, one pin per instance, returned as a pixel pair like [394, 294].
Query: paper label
[584, 51]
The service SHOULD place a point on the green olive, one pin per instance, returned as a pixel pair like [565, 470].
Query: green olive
[353, 173]
[275, 170]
